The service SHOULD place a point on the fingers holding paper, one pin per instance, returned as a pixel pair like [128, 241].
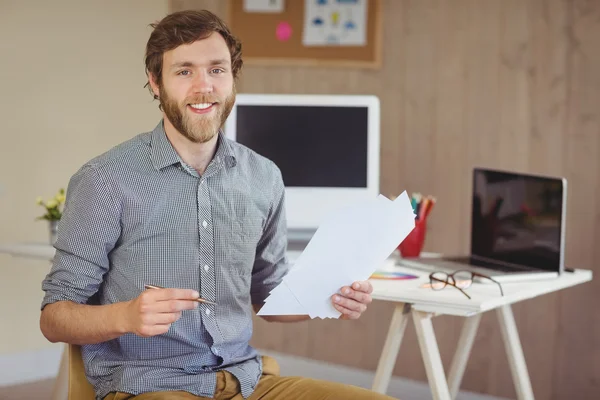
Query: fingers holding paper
[353, 300]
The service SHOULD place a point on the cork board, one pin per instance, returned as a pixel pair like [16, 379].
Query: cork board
[264, 44]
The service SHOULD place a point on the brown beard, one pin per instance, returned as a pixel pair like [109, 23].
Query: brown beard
[202, 129]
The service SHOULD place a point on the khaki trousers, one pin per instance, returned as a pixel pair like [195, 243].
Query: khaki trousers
[270, 387]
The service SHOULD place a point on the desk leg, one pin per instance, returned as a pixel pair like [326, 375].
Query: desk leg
[431, 355]
[60, 390]
[387, 360]
[463, 350]
[514, 352]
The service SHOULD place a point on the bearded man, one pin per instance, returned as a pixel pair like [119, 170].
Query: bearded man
[171, 240]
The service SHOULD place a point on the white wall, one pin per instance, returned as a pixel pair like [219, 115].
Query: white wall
[71, 80]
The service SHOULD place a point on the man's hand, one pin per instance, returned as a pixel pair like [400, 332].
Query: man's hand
[353, 301]
[154, 310]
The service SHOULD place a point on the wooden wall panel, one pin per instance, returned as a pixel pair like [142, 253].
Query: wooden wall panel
[577, 359]
[499, 83]
[547, 73]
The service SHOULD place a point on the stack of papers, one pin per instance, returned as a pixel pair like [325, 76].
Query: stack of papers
[348, 246]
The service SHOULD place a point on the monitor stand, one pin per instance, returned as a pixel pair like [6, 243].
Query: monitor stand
[299, 238]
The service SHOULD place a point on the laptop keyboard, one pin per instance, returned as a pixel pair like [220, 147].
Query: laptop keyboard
[489, 264]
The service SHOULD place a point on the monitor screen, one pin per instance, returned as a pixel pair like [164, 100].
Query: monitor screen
[326, 146]
[314, 146]
[518, 218]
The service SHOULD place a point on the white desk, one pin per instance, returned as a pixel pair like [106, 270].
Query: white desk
[43, 251]
[424, 303]
[40, 251]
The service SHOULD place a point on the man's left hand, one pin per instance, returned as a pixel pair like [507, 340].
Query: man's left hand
[353, 300]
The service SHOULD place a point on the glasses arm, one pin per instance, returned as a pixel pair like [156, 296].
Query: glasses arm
[491, 279]
[499, 285]
[462, 291]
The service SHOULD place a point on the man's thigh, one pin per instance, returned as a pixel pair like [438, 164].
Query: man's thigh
[272, 386]
[297, 388]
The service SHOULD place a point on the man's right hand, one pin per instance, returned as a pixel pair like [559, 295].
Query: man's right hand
[154, 310]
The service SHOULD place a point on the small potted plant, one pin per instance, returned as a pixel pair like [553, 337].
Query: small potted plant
[53, 212]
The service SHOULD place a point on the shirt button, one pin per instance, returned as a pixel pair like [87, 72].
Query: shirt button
[204, 223]
[207, 311]
[206, 268]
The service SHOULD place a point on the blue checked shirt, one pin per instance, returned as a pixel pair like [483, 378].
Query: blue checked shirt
[138, 214]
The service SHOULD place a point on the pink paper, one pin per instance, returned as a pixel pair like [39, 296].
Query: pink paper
[283, 31]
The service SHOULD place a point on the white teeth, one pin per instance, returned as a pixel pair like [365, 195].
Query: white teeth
[201, 106]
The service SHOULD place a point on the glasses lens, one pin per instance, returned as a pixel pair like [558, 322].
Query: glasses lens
[463, 279]
[438, 280]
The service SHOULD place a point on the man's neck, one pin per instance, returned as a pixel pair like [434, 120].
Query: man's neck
[196, 155]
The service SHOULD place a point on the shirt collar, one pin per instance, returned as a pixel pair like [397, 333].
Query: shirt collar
[163, 154]
[224, 151]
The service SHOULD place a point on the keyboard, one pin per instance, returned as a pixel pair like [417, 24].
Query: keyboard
[496, 266]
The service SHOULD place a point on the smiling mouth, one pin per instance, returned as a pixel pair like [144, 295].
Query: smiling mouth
[201, 108]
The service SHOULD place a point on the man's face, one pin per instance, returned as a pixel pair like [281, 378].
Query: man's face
[197, 91]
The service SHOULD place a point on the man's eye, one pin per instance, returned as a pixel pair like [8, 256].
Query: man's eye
[184, 72]
[217, 71]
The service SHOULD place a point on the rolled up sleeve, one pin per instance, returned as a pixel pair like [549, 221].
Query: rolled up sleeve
[87, 232]
[271, 265]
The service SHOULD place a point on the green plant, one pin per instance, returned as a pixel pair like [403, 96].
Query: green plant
[52, 206]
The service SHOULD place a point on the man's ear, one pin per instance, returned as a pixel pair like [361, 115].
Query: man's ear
[153, 85]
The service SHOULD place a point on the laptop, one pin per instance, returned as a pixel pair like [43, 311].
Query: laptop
[517, 228]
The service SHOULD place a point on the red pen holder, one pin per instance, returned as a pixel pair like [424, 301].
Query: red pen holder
[412, 245]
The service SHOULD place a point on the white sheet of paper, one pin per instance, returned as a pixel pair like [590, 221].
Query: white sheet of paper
[348, 246]
[281, 301]
[335, 23]
[358, 240]
[263, 6]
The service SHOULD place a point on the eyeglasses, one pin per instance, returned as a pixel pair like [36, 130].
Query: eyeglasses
[459, 279]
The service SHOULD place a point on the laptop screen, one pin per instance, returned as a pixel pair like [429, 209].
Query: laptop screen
[517, 218]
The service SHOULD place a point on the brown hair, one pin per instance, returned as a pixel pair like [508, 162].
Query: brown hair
[185, 27]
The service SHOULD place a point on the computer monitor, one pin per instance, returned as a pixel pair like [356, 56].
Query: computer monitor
[519, 218]
[327, 147]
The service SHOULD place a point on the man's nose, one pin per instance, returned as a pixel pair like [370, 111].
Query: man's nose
[202, 83]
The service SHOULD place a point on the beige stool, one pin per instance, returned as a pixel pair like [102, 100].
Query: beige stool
[78, 386]
[71, 382]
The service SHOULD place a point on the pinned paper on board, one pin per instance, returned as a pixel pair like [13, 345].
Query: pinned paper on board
[263, 6]
[335, 23]
[349, 246]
